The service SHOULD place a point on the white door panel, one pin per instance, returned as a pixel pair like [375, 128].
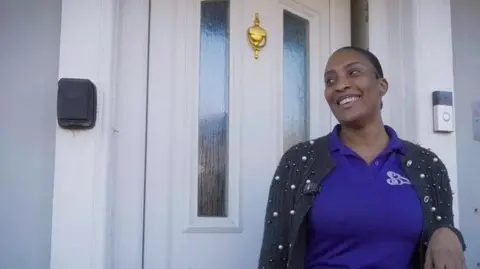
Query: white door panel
[217, 128]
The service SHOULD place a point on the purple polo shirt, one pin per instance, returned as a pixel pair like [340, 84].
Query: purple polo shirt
[365, 216]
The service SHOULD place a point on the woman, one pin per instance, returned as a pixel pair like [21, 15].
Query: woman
[360, 197]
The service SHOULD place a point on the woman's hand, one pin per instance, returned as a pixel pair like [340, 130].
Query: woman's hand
[444, 251]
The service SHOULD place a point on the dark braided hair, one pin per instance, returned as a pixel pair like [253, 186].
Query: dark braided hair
[370, 57]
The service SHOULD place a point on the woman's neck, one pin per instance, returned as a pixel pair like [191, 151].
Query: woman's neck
[367, 141]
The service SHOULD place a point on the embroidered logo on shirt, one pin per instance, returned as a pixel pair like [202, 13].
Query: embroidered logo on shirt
[395, 179]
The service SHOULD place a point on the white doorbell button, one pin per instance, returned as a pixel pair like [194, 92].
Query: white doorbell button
[446, 116]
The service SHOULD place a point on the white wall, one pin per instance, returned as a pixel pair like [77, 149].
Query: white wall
[29, 48]
[466, 42]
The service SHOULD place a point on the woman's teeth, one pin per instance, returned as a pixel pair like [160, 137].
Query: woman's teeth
[348, 100]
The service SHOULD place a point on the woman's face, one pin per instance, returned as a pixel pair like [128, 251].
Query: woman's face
[352, 89]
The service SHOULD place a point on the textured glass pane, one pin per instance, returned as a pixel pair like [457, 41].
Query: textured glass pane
[295, 79]
[213, 110]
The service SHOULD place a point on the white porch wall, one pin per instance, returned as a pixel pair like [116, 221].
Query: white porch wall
[80, 222]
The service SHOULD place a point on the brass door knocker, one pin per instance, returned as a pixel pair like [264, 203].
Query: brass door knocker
[257, 36]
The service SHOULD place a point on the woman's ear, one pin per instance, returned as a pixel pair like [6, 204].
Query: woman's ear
[383, 87]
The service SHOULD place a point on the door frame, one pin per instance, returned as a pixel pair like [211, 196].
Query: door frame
[107, 196]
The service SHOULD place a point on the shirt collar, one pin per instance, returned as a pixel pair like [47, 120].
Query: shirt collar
[394, 144]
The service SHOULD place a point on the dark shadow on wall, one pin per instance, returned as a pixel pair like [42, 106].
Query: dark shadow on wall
[29, 52]
[466, 60]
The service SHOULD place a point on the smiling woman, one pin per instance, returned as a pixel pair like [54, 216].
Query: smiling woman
[368, 214]
[361, 67]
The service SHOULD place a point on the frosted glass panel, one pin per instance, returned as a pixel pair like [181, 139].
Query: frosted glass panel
[213, 109]
[295, 79]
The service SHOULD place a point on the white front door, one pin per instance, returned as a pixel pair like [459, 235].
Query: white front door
[218, 126]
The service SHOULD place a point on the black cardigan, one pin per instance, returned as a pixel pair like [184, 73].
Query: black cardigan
[298, 179]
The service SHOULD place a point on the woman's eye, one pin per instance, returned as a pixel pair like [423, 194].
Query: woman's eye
[354, 73]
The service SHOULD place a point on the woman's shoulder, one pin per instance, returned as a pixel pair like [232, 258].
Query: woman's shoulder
[415, 151]
[306, 148]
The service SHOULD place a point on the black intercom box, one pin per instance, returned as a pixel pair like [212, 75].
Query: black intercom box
[76, 104]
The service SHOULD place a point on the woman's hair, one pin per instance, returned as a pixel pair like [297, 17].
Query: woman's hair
[370, 57]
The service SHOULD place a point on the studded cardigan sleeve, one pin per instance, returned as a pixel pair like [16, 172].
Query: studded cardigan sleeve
[443, 197]
[274, 249]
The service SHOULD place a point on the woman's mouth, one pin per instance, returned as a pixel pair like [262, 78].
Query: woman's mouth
[347, 100]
